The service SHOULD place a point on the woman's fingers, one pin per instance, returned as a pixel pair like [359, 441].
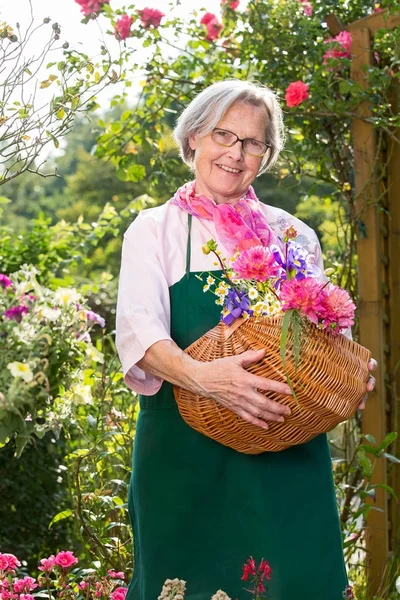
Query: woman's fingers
[371, 383]
[247, 416]
[249, 357]
[372, 365]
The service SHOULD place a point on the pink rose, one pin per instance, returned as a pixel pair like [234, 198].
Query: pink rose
[342, 48]
[233, 4]
[116, 574]
[24, 585]
[26, 597]
[151, 17]
[119, 593]
[91, 7]
[8, 561]
[123, 27]
[212, 25]
[296, 93]
[308, 9]
[47, 564]
[65, 559]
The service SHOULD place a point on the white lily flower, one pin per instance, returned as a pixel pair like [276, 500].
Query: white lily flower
[19, 369]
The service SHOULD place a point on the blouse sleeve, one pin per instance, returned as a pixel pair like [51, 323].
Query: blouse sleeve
[143, 308]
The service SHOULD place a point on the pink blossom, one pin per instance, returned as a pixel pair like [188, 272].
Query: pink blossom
[26, 597]
[296, 93]
[308, 9]
[95, 318]
[8, 561]
[24, 585]
[47, 564]
[83, 585]
[256, 263]
[91, 7]
[342, 47]
[116, 574]
[4, 585]
[65, 559]
[119, 593]
[212, 25]
[233, 4]
[249, 568]
[15, 313]
[337, 308]
[303, 295]
[7, 595]
[123, 27]
[151, 16]
[5, 281]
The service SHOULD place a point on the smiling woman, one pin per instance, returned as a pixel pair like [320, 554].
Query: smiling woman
[200, 509]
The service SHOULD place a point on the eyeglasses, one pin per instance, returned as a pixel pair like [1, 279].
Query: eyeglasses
[249, 145]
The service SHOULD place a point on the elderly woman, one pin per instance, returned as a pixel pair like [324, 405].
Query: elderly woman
[198, 508]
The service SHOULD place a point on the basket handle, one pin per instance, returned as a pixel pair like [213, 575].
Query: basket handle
[223, 332]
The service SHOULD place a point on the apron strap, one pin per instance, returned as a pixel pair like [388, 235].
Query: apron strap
[188, 246]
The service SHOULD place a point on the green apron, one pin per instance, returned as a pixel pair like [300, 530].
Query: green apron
[199, 509]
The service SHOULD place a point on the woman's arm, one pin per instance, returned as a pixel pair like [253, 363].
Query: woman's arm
[225, 380]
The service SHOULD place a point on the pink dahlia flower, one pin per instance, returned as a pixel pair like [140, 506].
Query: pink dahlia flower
[65, 559]
[212, 25]
[342, 47]
[119, 593]
[303, 295]
[337, 308]
[47, 564]
[256, 263]
[296, 93]
[151, 17]
[24, 585]
[123, 27]
[91, 7]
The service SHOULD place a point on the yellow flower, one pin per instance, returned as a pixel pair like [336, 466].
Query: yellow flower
[19, 369]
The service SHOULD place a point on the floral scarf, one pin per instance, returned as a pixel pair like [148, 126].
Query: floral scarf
[239, 226]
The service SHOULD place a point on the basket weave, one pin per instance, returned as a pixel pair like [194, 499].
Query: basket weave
[329, 383]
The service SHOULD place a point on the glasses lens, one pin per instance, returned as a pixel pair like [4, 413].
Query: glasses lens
[224, 138]
[254, 147]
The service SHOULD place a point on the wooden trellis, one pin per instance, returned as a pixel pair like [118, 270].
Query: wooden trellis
[378, 208]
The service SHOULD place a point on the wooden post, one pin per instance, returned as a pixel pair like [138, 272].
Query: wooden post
[371, 309]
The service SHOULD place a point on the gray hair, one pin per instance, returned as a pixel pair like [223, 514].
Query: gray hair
[208, 108]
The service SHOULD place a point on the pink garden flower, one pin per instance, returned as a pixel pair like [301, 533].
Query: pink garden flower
[25, 585]
[83, 585]
[151, 17]
[342, 48]
[308, 9]
[26, 597]
[47, 564]
[116, 574]
[5, 281]
[233, 4]
[15, 313]
[303, 295]
[94, 318]
[119, 593]
[8, 562]
[123, 27]
[256, 263]
[212, 25]
[296, 93]
[65, 559]
[91, 7]
[337, 308]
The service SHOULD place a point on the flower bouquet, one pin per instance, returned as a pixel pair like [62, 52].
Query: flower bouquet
[275, 298]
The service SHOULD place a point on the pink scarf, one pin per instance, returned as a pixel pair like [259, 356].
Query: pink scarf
[239, 226]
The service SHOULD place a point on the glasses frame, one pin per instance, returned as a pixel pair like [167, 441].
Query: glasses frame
[242, 140]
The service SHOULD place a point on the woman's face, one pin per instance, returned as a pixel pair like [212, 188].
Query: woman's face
[224, 174]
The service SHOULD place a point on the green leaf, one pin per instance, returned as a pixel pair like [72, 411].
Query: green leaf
[386, 487]
[389, 439]
[370, 438]
[61, 516]
[4, 200]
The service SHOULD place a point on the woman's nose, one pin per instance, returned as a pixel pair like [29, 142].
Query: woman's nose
[236, 151]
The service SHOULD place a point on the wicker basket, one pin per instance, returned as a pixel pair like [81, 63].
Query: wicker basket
[329, 383]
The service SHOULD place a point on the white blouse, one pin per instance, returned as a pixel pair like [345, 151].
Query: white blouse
[153, 259]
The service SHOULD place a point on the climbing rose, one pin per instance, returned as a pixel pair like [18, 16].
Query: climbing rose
[123, 27]
[8, 562]
[212, 25]
[233, 4]
[116, 574]
[90, 7]
[308, 9]
[119, 593]
[296, 93]
[47, 564]
[25, 585]
[151, 16]
[65, 559]
[342, 47]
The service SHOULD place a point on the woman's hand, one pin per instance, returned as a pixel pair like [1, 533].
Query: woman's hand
[226, 381]
[372, 365]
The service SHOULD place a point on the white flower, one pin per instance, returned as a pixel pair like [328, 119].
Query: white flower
[398, 584]
[94, 354]
[252, 293]
[81, 394]
[19, 369]
[210, 280]
[206, 288]
[67, 295]
[50, 314]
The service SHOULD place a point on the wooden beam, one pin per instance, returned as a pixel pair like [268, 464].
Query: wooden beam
[380, 20]
[394, 310]
[335, 25]
[371, 314]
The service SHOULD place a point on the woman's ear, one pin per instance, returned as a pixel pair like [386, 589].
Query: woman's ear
[193, 141]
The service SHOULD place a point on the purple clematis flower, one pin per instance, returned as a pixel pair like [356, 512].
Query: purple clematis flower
[235, 305]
